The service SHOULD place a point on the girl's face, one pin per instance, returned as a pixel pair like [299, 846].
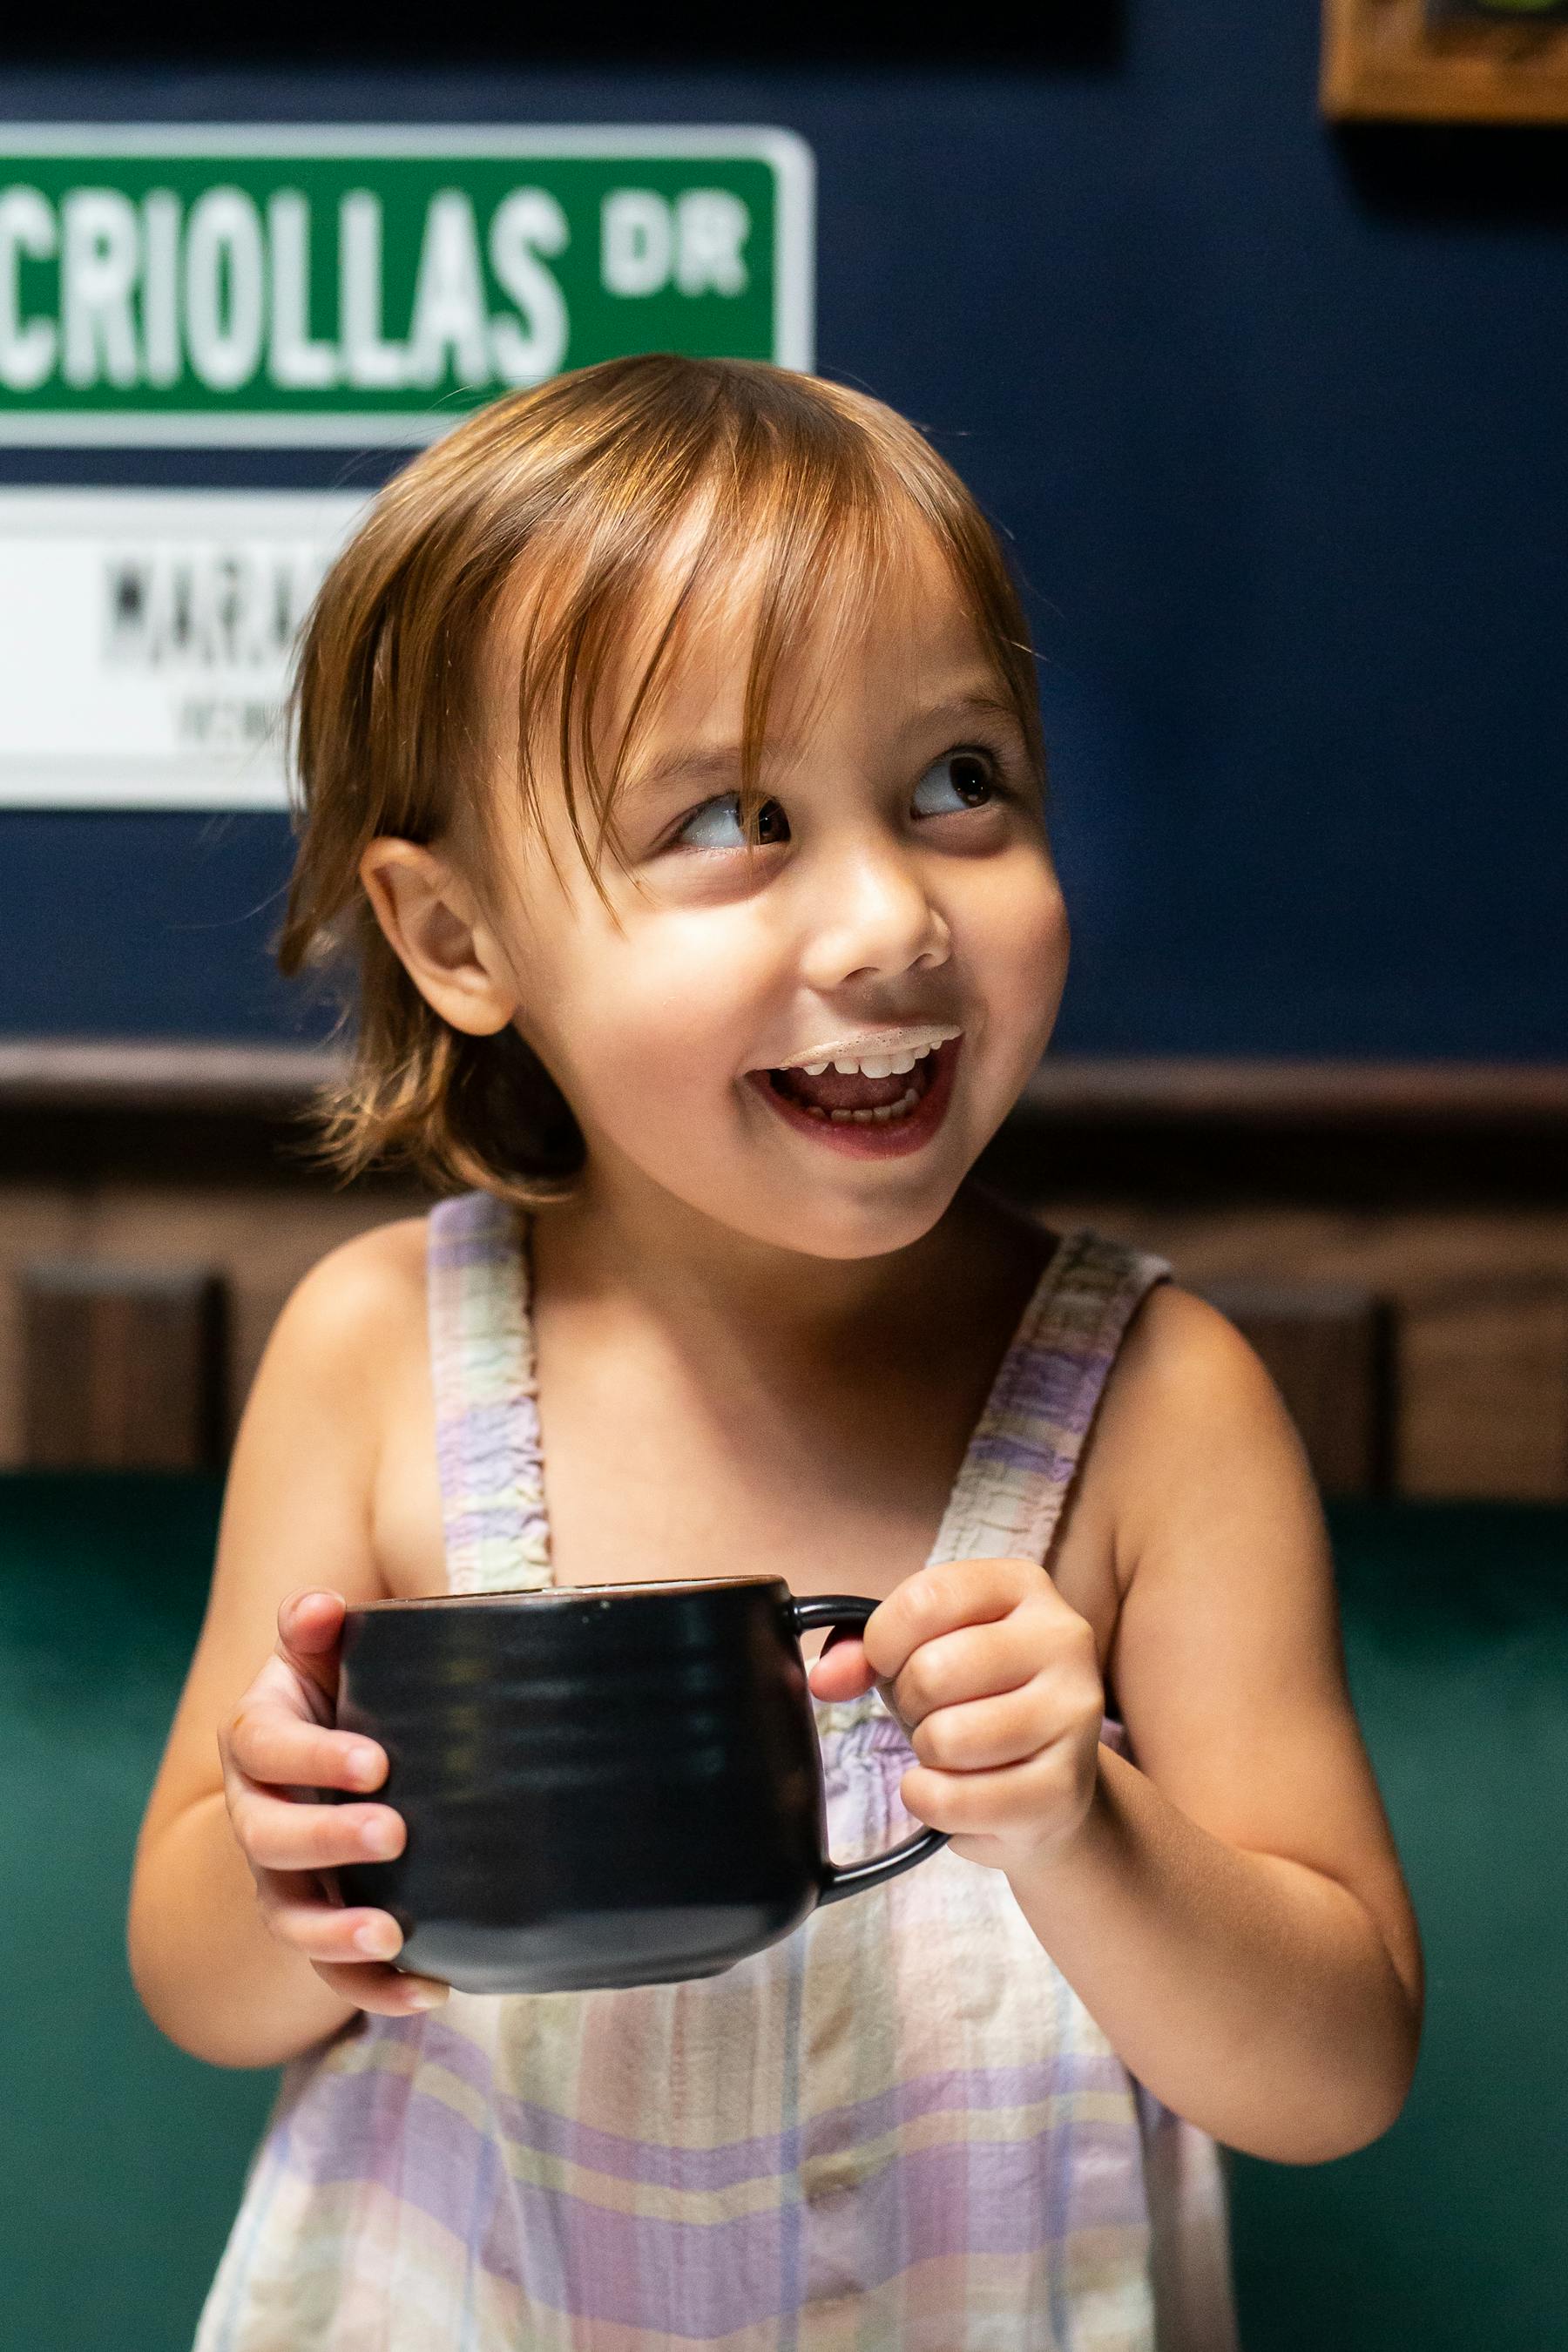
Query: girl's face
[901, 902]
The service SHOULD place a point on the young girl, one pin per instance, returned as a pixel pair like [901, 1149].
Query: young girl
[671, 762]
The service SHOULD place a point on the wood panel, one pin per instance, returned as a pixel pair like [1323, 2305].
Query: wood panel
[1479, 1388]
[1488, 1365]
[36, 1222]
[1330, 1351]
[124, 1367]
[1442, 1189]
[264, 1242]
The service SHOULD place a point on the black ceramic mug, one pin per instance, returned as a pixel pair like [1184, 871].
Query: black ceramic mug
[611, 1784]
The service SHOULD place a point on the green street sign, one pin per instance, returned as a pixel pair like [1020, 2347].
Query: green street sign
[286, 286]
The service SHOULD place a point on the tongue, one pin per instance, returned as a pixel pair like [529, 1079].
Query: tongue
[845, 1090]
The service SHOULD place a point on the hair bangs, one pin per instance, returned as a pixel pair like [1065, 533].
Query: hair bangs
[801, 522]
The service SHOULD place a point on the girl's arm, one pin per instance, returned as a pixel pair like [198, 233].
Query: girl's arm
[1231, 1908]
[235, 1949]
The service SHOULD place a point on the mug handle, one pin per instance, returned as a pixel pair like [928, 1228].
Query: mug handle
[849, 1611]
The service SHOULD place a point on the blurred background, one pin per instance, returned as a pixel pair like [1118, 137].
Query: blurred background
[1250, 330]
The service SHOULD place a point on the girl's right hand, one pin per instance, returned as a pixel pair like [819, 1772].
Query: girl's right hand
[279, 1740]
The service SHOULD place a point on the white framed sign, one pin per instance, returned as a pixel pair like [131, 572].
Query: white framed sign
[147, 640]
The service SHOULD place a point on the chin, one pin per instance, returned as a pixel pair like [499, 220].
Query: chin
[867, 1228]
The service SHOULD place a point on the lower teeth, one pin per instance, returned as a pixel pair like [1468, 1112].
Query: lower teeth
[881, 1117]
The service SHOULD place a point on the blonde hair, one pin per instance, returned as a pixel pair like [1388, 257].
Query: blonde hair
[579, 488]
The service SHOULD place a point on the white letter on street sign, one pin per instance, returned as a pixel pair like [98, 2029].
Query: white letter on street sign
[713, 227]
[528, 218]
[160, 357]
[449, 310]
[26, 350]
[226, 288]
[374, 364]
[99, 270]
[637, 242]
[295, 361]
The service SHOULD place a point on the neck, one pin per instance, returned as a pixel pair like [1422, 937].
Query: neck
[691, 1274]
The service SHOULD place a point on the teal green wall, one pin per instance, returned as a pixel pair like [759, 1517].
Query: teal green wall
[122, 2160]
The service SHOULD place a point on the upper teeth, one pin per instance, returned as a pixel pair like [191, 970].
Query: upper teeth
[874, 1066]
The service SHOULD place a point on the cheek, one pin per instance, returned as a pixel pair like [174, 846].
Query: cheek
[1018, 940]
[653, 1030]
[1050, 940]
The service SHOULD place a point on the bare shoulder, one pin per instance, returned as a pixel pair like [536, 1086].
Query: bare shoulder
[327, 1387]
[1180, 1361]
[351, 1312]
[366, 1292]
[1191, 1424]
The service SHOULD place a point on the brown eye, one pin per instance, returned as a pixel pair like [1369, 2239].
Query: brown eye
[716, 824]
[959, 780]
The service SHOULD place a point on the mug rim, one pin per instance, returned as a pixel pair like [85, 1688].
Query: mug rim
[559, 1593]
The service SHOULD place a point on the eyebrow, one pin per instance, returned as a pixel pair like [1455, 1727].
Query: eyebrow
[690, 763]
[960, 706]
[694, 764]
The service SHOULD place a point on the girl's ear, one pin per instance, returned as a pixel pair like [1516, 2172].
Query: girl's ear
[436, 929]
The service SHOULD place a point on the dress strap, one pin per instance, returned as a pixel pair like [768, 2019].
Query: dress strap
[487, 1412]
[1027, 1446]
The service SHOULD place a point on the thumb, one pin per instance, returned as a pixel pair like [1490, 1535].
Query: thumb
[843, 1670]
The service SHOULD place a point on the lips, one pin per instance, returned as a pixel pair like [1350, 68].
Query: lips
[890, 1139]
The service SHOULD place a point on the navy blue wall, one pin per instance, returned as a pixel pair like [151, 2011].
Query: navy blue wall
[1279, 427]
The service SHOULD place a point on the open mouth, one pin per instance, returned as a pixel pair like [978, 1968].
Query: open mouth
[868, 1117]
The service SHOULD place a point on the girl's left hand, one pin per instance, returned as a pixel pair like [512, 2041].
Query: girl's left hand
[997, 1683]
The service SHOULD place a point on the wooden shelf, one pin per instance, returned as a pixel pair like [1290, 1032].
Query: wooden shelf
[1437, 1094]
[179, 1110]
[100, 1074]
[1352, 1133]
[113, 1073]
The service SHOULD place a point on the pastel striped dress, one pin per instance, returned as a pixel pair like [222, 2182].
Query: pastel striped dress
[897, 2130]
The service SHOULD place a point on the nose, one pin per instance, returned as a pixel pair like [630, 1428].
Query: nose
[872, 917]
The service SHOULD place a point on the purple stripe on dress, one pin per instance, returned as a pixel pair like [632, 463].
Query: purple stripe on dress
[976, 2090]
[505, 1522]
[494, 1430]
[763, 2157]
[469, 1230]
[1015, 1454]
[449, 1458]
[1055, 1387]
[456, 1250]
[464, 1214]
[671, 2278]
[710, 2278]
[974, 2197]
[707, 2279]
[548, 2133]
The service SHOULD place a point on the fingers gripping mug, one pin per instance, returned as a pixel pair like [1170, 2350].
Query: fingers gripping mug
[603, 1785]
